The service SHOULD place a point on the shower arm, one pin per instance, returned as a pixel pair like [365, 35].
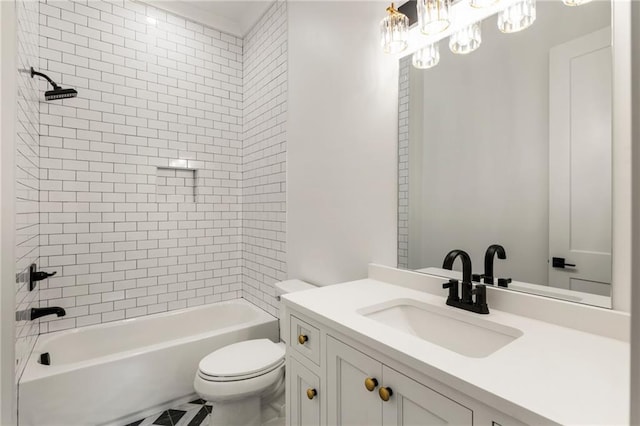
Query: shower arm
[34, 72]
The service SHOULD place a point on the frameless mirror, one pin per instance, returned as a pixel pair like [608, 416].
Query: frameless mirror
[511, 145]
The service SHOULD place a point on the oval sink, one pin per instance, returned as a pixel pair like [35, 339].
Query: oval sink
[446, 327]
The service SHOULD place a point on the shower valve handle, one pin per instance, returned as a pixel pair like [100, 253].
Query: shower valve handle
[35, 276]
[41, 275]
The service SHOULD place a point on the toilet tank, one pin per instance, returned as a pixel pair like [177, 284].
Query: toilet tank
[284, 287]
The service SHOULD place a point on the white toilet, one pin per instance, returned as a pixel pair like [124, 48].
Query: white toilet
[245, 381]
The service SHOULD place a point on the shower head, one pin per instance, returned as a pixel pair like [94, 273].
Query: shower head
[60, 93]
[57, 92]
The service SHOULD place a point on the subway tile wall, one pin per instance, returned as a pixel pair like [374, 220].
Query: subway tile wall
[27, 175]
[153, 88]
[264, 158]
[403, 163]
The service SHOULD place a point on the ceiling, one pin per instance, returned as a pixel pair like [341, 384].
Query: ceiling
[235, 17]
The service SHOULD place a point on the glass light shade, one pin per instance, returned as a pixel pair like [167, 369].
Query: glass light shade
[479, 4]
[427, 57]
[517, 17]
[433, 16]
[575, 2]
[466, 40]
[394, 31]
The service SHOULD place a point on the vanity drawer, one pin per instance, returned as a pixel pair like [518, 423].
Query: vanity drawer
[305, 339]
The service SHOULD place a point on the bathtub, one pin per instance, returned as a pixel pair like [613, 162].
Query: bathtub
[109, 373]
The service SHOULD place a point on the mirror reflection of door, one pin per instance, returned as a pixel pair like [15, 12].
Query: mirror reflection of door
[580, 164]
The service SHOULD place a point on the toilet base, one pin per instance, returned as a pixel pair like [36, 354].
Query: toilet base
[260, 410]
[246, 412]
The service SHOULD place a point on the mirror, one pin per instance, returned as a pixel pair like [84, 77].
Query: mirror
[511, 145]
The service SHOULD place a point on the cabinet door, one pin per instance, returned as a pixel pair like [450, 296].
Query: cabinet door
[349, 402]
[304, 393]
[413, 404]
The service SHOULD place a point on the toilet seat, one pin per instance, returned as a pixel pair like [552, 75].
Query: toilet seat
[242, 361]
[211, 378]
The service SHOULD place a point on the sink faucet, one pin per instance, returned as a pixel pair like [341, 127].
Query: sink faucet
[467, 303]
[492, 250]
[40, 312]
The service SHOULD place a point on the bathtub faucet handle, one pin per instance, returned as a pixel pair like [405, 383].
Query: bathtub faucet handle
[41, 275]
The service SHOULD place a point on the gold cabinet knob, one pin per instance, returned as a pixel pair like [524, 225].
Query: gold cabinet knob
[311, 393]
[385, 393]
[370, 383]
[302, 339]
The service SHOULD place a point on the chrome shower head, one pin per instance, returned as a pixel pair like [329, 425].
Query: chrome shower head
[60, 93]
[57, 92]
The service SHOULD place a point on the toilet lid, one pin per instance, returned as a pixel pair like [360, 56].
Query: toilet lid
[244, 358]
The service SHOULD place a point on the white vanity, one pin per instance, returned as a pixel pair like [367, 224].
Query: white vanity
[387, 351]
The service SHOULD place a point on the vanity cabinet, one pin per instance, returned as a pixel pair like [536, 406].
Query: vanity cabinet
[332, 380]
[306, 393]
[363, 391]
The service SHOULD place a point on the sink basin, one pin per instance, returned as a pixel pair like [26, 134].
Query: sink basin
[460, 332]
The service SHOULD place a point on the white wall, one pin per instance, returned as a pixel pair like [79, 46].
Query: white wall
[148, 93]
[8, 116]
[635, 277]
[264, 147]
[342, 142]
[27, 176]
[485, 145]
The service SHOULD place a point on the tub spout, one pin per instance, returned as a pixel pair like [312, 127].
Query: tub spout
[40, 312]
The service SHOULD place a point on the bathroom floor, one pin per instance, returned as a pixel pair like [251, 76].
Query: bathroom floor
[194, 413]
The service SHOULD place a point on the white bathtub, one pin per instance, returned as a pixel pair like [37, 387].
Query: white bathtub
[108, 373]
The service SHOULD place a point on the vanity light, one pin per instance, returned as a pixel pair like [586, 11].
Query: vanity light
[517, 17]
[394, 31]
[466, 40]
[427, 57]
[433, 16]
[479, 4]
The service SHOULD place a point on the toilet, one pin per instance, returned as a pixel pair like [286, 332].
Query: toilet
[244, 381]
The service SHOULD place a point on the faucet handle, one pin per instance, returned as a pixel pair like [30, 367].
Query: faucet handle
[452, 285]
[504, 282]
[481, 299]
[476, 278]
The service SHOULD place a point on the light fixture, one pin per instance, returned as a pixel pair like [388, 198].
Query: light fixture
[517, 17]
[466, 40]
[575, 2]
[394, 31]
[433, 16]
[427, 57]
[479, 4]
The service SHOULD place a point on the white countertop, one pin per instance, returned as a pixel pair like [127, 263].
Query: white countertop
[556, 373]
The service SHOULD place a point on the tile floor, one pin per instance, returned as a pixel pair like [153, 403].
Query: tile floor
[194, 413]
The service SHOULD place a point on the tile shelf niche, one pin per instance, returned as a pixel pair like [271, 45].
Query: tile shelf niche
[176, 185]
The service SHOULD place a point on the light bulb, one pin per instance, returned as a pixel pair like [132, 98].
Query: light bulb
[427, 57]
[517, 17]
[394, 31]
[466, 40]
[575, 2]
[433, 16]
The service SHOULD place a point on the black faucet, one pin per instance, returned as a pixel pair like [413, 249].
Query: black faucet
[489, 255]
[40, 312]
[466, 303]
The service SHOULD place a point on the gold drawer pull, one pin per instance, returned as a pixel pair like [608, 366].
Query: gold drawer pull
[370, 383]
[302, 339]
[311, 393]
[385, 393]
